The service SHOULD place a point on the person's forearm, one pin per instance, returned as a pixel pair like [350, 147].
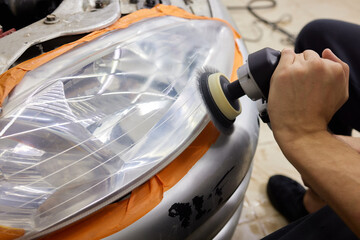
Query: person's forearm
[331, 168]
[353, 142]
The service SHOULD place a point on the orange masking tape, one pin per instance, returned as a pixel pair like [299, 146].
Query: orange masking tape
[117, 216]
[7, 233]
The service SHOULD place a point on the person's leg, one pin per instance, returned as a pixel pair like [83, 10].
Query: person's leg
[312, 202]
[343, 39]
[304, 210]
[323, 224]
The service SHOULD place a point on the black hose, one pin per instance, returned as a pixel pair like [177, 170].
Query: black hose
[251, 7]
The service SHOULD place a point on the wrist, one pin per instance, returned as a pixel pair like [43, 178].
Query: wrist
[289, 134]
[288, 127]
[290, 141]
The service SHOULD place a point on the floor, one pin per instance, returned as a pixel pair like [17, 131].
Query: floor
[259, 218]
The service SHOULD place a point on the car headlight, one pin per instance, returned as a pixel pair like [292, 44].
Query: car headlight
[87, 127]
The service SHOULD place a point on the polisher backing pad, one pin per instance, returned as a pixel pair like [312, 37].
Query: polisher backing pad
[223, 110]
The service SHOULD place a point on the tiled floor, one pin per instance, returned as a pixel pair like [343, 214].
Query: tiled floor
[259, 218]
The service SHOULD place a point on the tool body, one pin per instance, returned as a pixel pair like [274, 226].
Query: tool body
[222, 97]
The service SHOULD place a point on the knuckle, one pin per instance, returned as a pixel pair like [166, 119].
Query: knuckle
[310, 52]
[287, 51]
[317, 65]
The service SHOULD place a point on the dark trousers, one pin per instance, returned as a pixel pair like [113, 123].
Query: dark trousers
[321, 225]
[343, 39]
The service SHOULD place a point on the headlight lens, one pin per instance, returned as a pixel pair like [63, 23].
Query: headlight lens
[87, 127]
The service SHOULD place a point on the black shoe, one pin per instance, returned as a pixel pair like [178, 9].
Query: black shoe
[286, 195]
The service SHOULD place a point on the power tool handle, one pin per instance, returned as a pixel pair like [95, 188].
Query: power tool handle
[262, 65]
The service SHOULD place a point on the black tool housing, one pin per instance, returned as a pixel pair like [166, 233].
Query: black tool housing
[262, 65]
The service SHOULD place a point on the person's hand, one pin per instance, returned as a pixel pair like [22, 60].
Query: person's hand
[305, 92]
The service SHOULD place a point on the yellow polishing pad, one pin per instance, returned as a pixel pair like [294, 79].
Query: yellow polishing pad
[219, 97]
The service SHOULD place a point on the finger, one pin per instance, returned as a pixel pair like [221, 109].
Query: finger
[299, 58]
[287, 57]
[310, 54]
[328, 54]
